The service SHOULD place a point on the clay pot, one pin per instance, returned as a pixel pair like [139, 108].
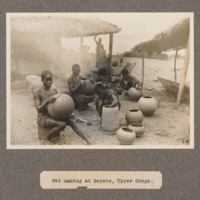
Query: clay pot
[110, 119]
[62, 108]
[138, 128]
[115, 63]
[134, 94]
[126, 136]
[148, 105]
[134, 116]
[88, 88]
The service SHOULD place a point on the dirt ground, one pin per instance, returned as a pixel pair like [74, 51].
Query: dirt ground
[168, 126]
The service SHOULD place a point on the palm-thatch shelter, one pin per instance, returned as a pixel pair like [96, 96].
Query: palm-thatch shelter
[173, 38]
[57, 27]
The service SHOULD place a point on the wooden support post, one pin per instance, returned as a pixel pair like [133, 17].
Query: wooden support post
[110, 51]
[53, 51]
[142, 79]
[175, 76]
[81, 50]
[81, 42]
[184, 72]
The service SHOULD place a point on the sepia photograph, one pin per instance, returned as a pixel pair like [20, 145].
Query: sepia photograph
[100, 80]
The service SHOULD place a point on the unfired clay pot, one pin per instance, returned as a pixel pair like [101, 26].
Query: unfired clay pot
[134, 116]
[110, 119]
[88, 88]
[148, 105]
[137, 128]
[134, 94]
[115, 63]
[126, 136]
[62, 107]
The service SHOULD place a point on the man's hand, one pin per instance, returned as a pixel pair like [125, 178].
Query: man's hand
[91, 80]
[51, 99]
[83, 83]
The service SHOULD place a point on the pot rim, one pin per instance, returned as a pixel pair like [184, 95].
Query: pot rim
[147, 97]
[134, 110]
[137, 124]
[126, 129]
[107, 106]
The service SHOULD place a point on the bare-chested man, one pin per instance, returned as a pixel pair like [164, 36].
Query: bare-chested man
[42, 97]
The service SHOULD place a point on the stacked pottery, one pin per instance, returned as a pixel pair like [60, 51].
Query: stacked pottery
[134, 116]
[137, 128]
[126, 136]
[148, 105]
[134, 94]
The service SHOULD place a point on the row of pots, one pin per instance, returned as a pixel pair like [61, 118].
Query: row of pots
[147, 105]
[127, 135]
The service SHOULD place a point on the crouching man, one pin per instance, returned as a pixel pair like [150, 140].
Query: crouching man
[44, 96]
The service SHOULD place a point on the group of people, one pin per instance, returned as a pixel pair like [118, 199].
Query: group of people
[44, 95]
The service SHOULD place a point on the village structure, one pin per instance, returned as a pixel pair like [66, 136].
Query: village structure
[103, 99]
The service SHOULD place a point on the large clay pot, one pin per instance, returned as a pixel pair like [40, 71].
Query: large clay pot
[62, 108]
[110, 119]
[88, 88]
[134, 94]
[148, 105]
[115, 63]
[134, 116]
[137, 128]
[126, 136]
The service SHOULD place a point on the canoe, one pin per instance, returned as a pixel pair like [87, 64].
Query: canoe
[173, 87]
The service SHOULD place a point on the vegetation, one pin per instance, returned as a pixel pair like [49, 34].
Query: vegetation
[160, 56]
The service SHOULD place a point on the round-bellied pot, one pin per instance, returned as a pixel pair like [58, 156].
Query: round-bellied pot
[134, 116]
[137, 128]
[148, 105]
[134, 94]
[62, 108]
[126, 136]
[115, 63]
[88, 88]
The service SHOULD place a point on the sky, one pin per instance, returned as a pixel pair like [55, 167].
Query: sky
[135, 28]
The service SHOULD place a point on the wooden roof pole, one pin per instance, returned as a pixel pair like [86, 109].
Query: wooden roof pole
[175, 75]
[184, 72]
[142, 79]
[110, 51]
[81, 42]
[81, 49]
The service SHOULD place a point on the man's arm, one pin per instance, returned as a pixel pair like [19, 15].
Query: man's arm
[114, 102]
[41, 107]
[95, 39]
[71, 88]
[137, 82]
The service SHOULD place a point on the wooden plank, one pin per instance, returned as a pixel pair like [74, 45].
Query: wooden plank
[110, 51]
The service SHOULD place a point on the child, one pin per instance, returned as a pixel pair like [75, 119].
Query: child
[105, 97]
[44, 96]
[128, 81]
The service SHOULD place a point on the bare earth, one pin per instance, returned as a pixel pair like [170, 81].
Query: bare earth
[168, 126]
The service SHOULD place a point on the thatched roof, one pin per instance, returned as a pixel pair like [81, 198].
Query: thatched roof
[64, 26]
[175, 37]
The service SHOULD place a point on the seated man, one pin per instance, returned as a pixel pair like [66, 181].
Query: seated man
[44, 96]
[105, 97]
[127, 81]
[75, 88]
